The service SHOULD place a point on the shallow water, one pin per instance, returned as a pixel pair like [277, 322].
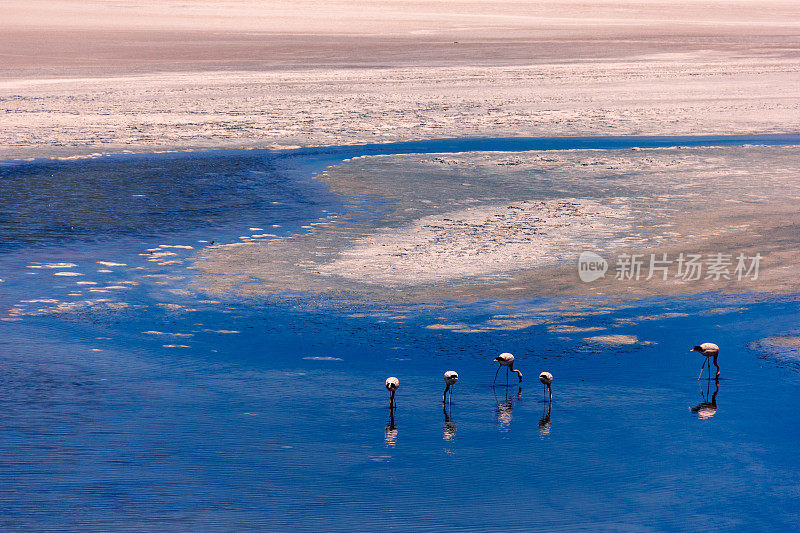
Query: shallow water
[162, 410]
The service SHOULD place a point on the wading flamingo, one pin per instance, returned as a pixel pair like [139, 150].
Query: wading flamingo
[506, 360]
[547, 379]
[708, 349]
[392, 384]
[450, 379]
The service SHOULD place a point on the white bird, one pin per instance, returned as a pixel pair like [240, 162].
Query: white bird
[547, 379]
[506, 360]
[392, 384]
[450, 379]
[708, 349]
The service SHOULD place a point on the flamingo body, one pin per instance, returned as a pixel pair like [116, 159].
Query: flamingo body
[450, 379]
[392, 384]
[709, 350]
[547, 379]
[506, 360]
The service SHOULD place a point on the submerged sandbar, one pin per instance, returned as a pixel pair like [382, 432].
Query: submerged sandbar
[487, 224]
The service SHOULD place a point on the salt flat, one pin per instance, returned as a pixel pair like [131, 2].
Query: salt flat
[110, 77]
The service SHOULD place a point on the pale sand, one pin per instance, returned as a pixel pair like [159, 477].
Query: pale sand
[480, 241]
[78, 78]
[513, 225]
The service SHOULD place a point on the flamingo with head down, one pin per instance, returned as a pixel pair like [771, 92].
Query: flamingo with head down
[506, 360]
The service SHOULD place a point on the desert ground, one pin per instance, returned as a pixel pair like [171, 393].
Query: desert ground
[78, 79]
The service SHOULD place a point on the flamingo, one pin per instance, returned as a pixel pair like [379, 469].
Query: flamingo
[450, 379]
[708, 349]
[392, 384]
[506, 360]
[547, 379]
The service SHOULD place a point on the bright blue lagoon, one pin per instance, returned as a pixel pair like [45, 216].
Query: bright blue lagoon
[155, 408]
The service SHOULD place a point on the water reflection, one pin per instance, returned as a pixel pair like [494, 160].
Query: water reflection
[706, 409]
[544, 422]
[504, 408]
[390, 431]
[449, 426]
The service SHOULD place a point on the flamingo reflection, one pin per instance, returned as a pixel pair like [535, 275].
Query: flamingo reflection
[390, 431]
[449, 426]
[504, 409]
[706, 409]
[544, 422]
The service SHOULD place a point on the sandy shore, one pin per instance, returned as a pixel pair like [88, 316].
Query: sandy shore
[513, 225]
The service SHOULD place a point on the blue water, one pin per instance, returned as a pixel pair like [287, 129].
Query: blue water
[274, 416]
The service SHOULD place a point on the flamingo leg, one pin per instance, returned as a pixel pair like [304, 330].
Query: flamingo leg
[495, 375]
[701, 369]
[506, 376]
